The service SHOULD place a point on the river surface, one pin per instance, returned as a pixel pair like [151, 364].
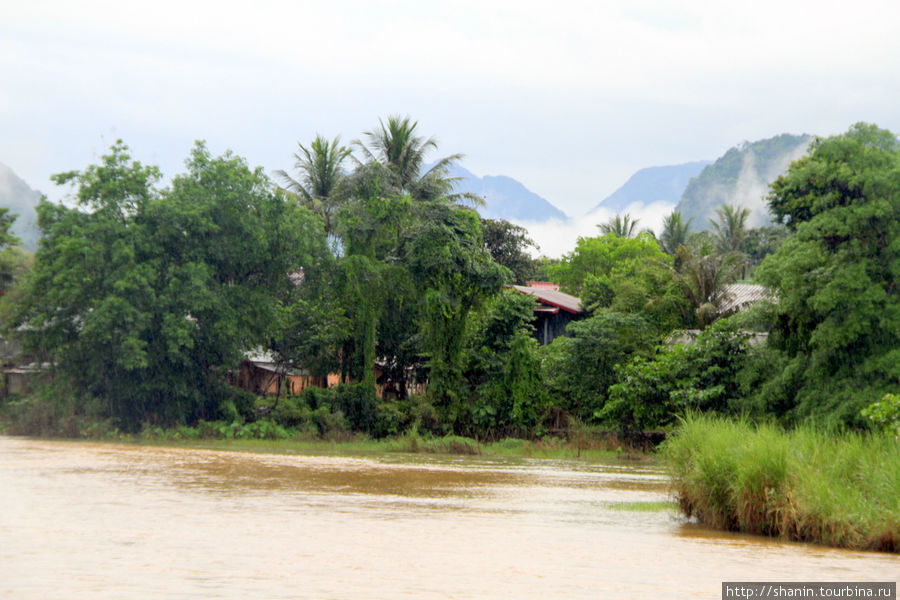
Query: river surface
[90, 520]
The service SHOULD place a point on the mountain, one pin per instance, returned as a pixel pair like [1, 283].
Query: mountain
[741, 177]
[20, 200]
[653, 184]
[504, 197]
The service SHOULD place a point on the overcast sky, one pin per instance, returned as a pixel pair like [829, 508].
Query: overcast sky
[570, 98]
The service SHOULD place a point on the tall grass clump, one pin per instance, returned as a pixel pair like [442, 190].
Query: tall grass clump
[839, 489]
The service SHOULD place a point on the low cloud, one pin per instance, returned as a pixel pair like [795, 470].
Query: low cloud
[555, 238]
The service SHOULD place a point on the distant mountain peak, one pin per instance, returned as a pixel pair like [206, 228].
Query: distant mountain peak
[653, 184]
[505, 197]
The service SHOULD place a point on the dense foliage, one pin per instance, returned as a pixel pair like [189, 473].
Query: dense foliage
[140, 298]
[366, 268]
[838, 315]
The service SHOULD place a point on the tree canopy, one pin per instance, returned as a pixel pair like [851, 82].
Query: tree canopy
[838, 311]
[142, 296]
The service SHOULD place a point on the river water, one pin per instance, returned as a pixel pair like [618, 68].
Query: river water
[89, 520]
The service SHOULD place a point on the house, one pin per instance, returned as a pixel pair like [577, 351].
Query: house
[555, 309]
[19, 379]
[260, 374]
[732, 298]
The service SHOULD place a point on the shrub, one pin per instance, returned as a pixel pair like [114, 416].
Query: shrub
[356, 402]
[885, 415]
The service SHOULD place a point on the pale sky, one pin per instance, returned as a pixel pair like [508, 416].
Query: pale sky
[570, 98]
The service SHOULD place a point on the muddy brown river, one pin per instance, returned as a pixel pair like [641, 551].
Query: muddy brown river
[91, 520]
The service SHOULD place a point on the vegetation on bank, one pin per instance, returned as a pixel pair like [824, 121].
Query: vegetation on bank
[143, 301]
[325, 432]
[806, 484]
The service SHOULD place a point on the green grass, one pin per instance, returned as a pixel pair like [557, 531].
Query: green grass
[270, 438]
[808, 485]
[408, 443]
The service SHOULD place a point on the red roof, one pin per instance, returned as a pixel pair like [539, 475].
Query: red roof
[551, 297]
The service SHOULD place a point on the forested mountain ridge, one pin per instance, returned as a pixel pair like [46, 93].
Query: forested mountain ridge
[21, 200]
[741, 177]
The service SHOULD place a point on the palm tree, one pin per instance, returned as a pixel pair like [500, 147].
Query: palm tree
[674, 233]
[396, 146]
[621, 226]
[319, 177]
[703, 275]
[730, 228]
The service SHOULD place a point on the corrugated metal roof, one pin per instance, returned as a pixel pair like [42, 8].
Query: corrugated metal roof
[556, 298]
[738, 296]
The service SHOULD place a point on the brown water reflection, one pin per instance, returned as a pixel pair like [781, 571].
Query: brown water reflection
[81, 520]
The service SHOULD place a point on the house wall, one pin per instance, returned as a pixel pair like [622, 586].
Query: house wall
[548, 327]
[265, 382]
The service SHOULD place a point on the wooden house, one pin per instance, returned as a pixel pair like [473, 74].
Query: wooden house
[555, 309]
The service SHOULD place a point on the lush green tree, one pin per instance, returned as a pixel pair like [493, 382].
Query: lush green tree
[447, 258]
[702, 375]
[374, 228]
[604, 256]
[386, 200]
[542, 267]
[316, 324]
[653, 289]
[508, 245]
[730, 228]
[578, 370]
[502, 368]
[703, 272]
[625, 275]
[675, 231]
[836, 172]
[838, 310]
[761, 242]
[396, 146]
[142, 299]
[398, 346]
[621, 226]
[320, 173]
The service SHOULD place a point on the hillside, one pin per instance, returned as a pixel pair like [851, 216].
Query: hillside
[741, 177]
[653, 184]
[505, 198]
[20, 200]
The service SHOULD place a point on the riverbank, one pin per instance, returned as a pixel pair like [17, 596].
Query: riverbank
[269, 437]
[804, 485]
[550, 448]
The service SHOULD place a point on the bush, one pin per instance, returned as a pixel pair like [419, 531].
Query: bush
[390, 419]
[358, 404]
[50, 409]
[885, 415]
[264, 429]
[291, 411]
[330, 424]
[314, 397]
